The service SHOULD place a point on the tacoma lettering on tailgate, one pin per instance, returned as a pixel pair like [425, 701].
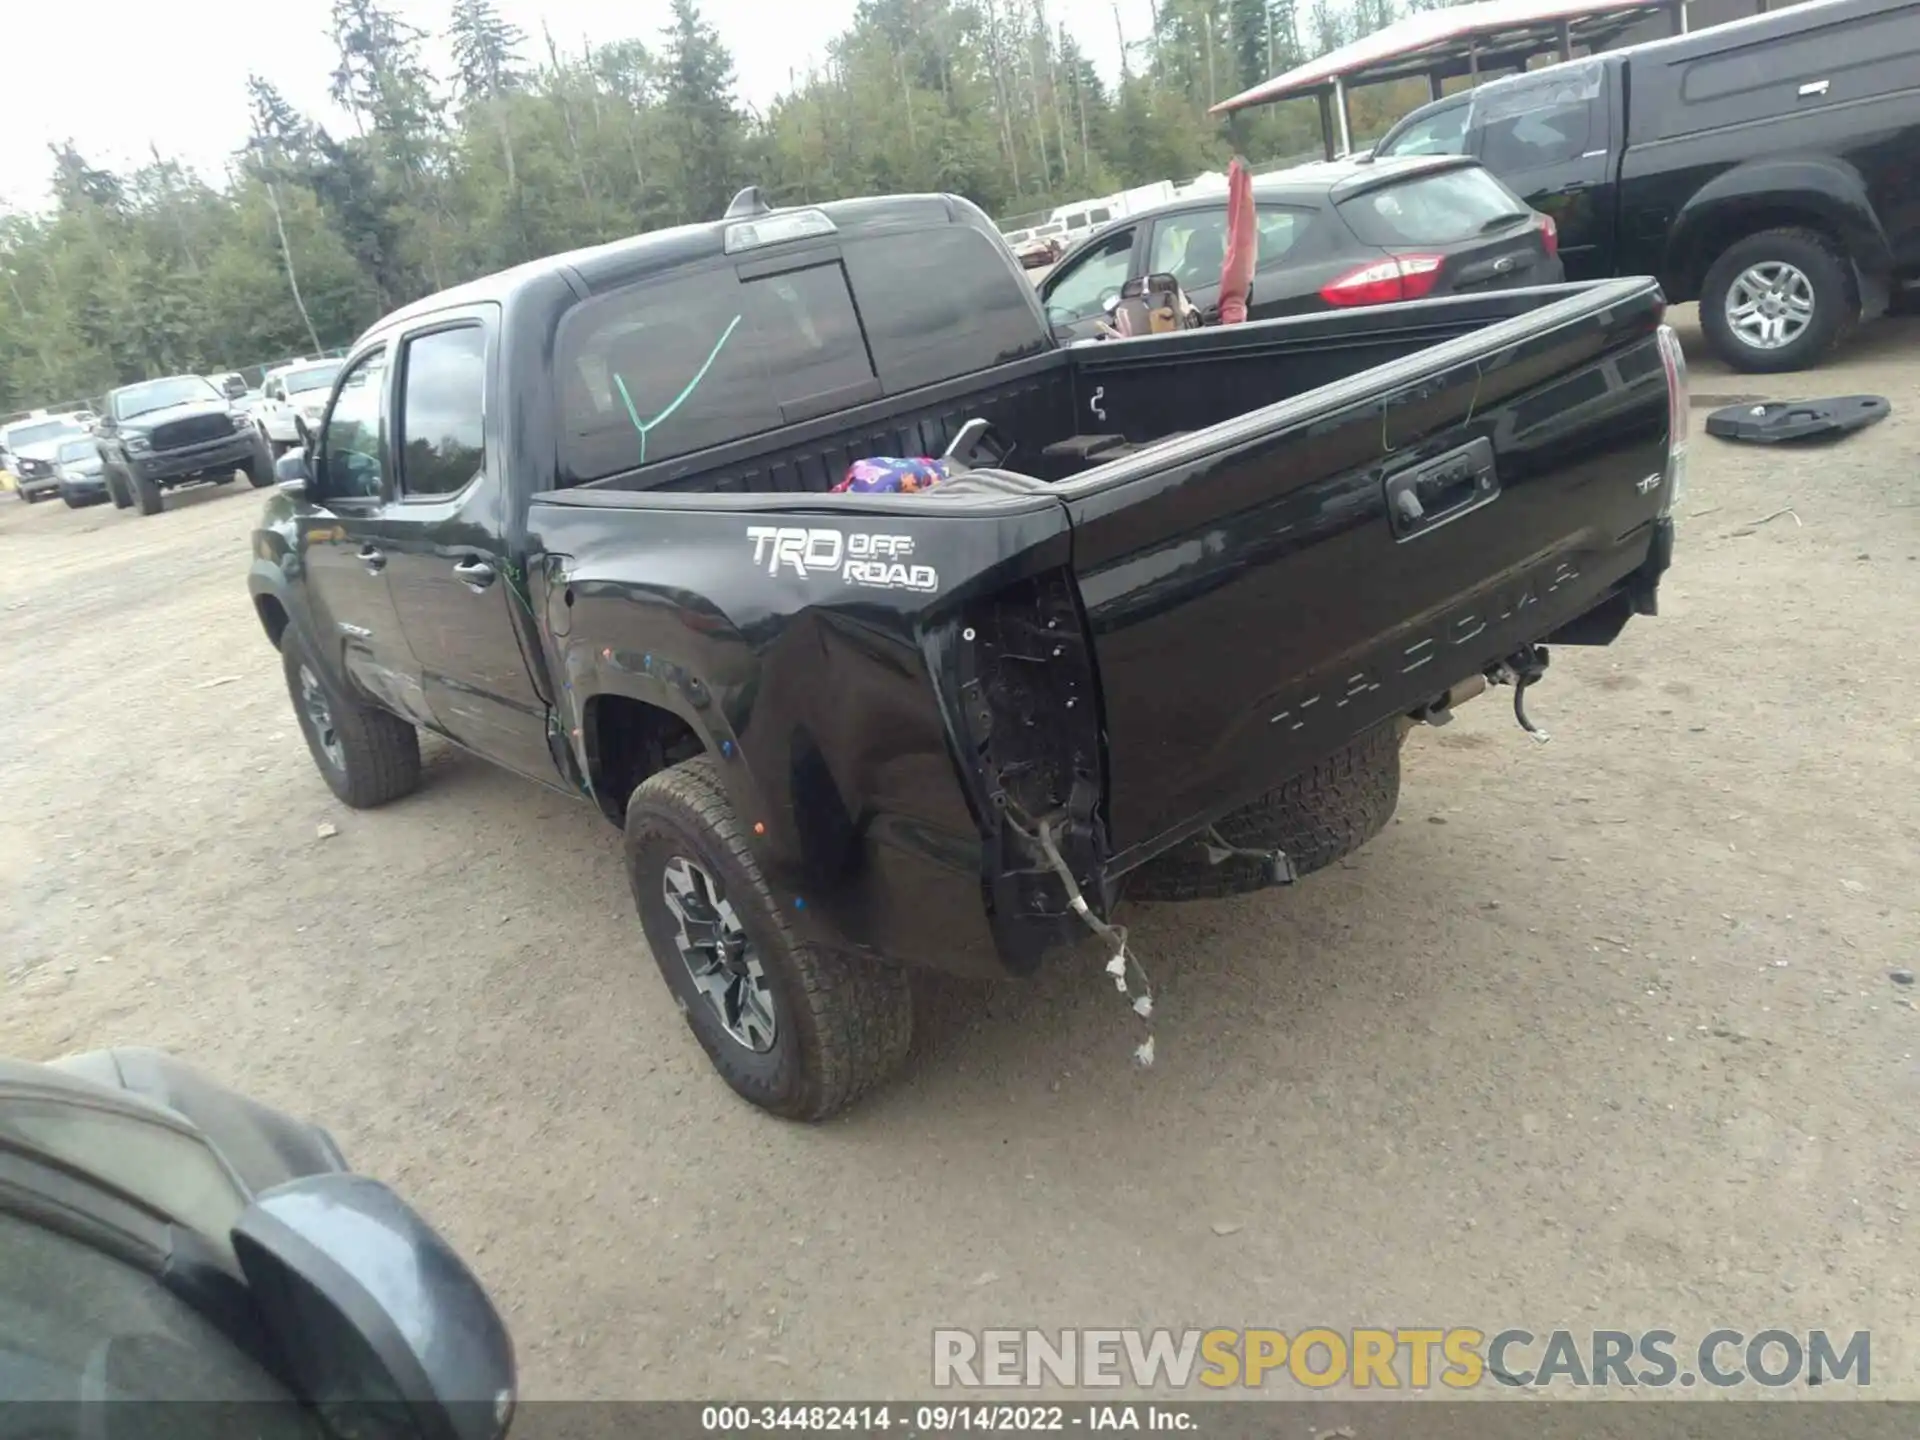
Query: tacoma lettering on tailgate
[1422, 648]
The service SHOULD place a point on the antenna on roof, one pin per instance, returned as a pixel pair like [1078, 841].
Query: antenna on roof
[747, 204]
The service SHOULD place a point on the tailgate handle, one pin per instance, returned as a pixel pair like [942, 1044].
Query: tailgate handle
[1424, 496]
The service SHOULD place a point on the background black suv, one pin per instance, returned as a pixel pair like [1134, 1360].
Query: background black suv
[1765, 168]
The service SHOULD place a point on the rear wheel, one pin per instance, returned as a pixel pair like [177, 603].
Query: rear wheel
[797, 1028]
[366, 755]
[1315, 818]
[1778, 301]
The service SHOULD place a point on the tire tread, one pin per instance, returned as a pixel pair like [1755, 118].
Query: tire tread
[1795, 356]
[1317, 817]
[383, 751]
[859, 1011]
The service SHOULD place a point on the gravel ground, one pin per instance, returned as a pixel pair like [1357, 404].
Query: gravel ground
[1597, 1034]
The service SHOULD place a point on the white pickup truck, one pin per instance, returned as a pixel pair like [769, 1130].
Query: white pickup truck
[291, 394]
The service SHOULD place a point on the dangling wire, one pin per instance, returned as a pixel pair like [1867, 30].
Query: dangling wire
[643, 426]
[1122, 962]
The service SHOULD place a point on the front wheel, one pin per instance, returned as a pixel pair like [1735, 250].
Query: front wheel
[259, 467]
[796, 1028]
[146, 495]
[1778, 301]
[118, 490]
[366, 755]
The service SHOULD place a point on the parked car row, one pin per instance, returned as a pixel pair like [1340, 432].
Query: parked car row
[1040, 246]
[153, 437]
[30, 450]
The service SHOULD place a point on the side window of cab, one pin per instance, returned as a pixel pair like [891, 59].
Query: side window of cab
[348, 463]
[1442, 132]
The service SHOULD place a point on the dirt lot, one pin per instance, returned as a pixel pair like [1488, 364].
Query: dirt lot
[1598, 1034]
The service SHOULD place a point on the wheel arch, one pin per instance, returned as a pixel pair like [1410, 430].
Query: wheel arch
[624, 738]
[1824, 195]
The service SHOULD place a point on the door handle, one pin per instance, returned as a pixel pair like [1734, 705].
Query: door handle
[373, 558]
[477, 575]
[1814, 88]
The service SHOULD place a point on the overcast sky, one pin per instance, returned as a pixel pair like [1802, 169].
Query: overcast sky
[119, 77]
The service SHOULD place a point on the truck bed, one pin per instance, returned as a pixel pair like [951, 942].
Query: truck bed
[1171, 385]
[1137, 646]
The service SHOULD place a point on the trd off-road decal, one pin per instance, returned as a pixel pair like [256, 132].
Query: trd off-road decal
[878, 562]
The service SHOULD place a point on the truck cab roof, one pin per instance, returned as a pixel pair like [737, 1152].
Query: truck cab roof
[597, 269]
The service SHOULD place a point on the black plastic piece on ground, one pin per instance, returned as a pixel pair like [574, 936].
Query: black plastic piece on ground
[1776, 420]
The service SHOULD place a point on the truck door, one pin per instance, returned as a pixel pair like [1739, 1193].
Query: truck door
[343, 545]
[448, 565]
[1547, 137]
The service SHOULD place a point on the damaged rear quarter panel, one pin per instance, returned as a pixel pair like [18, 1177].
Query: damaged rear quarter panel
[820, 690]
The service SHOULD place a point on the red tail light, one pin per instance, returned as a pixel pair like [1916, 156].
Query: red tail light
[1550, 233]
[1398, 277]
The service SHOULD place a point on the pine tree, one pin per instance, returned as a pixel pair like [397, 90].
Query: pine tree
[486, 51]
[703, 124]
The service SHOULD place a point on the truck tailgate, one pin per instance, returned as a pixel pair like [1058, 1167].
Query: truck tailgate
[1260, 591]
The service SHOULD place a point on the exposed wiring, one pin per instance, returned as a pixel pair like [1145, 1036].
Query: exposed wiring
[643, 426]
[1540, 736]
[1122, 959]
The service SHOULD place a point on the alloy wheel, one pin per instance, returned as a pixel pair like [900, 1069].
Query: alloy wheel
[718, 955]
[313, 700]
[1770, 305]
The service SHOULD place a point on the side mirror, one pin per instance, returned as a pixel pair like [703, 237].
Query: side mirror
[369, 1308]
[294, 471]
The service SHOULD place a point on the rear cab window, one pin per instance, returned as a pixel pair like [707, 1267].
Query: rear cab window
[939, 304]
[667, 367]
[1432, 208]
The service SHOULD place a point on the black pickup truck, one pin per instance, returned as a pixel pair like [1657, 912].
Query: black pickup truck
[1765, 168]
[1159, 639]
[160, 434]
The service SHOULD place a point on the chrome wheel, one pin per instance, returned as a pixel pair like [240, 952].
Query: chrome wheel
[1770, 305]
[313, 700]
[718, 955]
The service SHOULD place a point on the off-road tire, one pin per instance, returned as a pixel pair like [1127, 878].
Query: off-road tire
[1316, 818]
[118, 490]
[260, 468]
[146, 495]
[843, 1022]
[380, 751]
[1836, 299]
